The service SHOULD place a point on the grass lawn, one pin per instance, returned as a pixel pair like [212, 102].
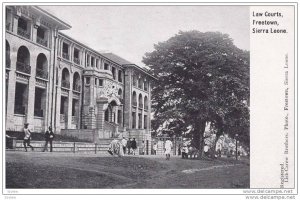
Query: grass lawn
[67, 170]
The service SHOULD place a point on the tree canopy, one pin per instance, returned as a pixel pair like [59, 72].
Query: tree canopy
[202, 77]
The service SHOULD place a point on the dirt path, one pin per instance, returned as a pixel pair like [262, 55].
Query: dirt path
[98, 171]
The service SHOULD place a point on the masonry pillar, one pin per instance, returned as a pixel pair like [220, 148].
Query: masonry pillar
[127, 108]
[15, 24]
[70, 102]
[34, 32]
[57, 103]
[102, 104]
[31, 91]
[11, 90]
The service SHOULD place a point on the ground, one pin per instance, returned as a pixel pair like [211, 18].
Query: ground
[68, 170]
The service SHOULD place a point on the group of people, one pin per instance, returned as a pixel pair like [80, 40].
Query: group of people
[49, 136]
[122, 147]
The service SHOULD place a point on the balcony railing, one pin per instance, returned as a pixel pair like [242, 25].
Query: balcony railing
[23, 33]
[134, 103]
[22, 67]
[42, 41]
[41, 73]
[66, 56]
[74, 119]
[140, 105]
[38, 113]
[65, 84]
[77, 88]
[146, 107]
[77, 61]
[7, 63]
[20, 109]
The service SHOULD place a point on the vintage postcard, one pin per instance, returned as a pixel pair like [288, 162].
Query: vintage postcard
[149, 98]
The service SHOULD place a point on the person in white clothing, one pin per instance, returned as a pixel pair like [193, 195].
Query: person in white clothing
[124, 143]
[27, 137]
[168, 148]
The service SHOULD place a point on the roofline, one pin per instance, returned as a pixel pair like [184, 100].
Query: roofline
[138, 67]
[64, 24]
[84, 45]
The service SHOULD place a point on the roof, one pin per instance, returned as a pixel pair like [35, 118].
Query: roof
[125, 63]
[61, 24]
[116, 59]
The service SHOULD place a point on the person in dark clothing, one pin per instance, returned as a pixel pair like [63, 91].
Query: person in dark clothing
[129, 145]
[133, 146]
[49, 136]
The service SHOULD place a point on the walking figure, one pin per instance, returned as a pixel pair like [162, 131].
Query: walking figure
[133, 146]
[27, 137]
[49, 136]
[168, 148]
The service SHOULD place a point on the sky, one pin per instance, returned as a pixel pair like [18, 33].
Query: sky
[131, 31]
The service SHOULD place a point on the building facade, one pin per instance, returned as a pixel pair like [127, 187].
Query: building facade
[54, 80]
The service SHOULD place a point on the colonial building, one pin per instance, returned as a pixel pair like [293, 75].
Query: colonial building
[52, 79]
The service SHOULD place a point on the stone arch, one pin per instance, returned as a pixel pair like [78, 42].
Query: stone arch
[65, 78]
[140, 101]
[146, 102]
[42, 66]
[76, 82]
[23, 60]
[134, 99]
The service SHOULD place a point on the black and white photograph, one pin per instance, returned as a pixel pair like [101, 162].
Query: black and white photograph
[118, 96]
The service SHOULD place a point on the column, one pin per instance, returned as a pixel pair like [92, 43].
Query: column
[11, 91]
[31, 91]
[70, 102]
[15, 24]
[127, 99]
[149, 107]
[102, 104]
[57, 103]
[34, 33]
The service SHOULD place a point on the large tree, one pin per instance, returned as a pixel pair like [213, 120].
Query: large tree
[202, 77]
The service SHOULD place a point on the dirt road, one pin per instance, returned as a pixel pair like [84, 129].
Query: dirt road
[67, 170]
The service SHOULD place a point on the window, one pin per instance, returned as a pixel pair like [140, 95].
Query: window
[87, 60]
[101, 82]
[41, 36]
[87, 80]
[21, 98]
[92, 61]
[65, 53]
[76, 56]
[113, 70]
[120, 76]
[23, 28]
[105, 66]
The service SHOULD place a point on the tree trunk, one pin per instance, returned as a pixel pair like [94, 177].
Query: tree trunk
[198, 136]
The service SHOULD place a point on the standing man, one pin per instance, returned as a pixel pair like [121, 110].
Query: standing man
[49, 136]
[133, 146]
[129, 145]
[154, 148]
[143, 147]
[124, 144]
[168, 148]
[27, 137]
